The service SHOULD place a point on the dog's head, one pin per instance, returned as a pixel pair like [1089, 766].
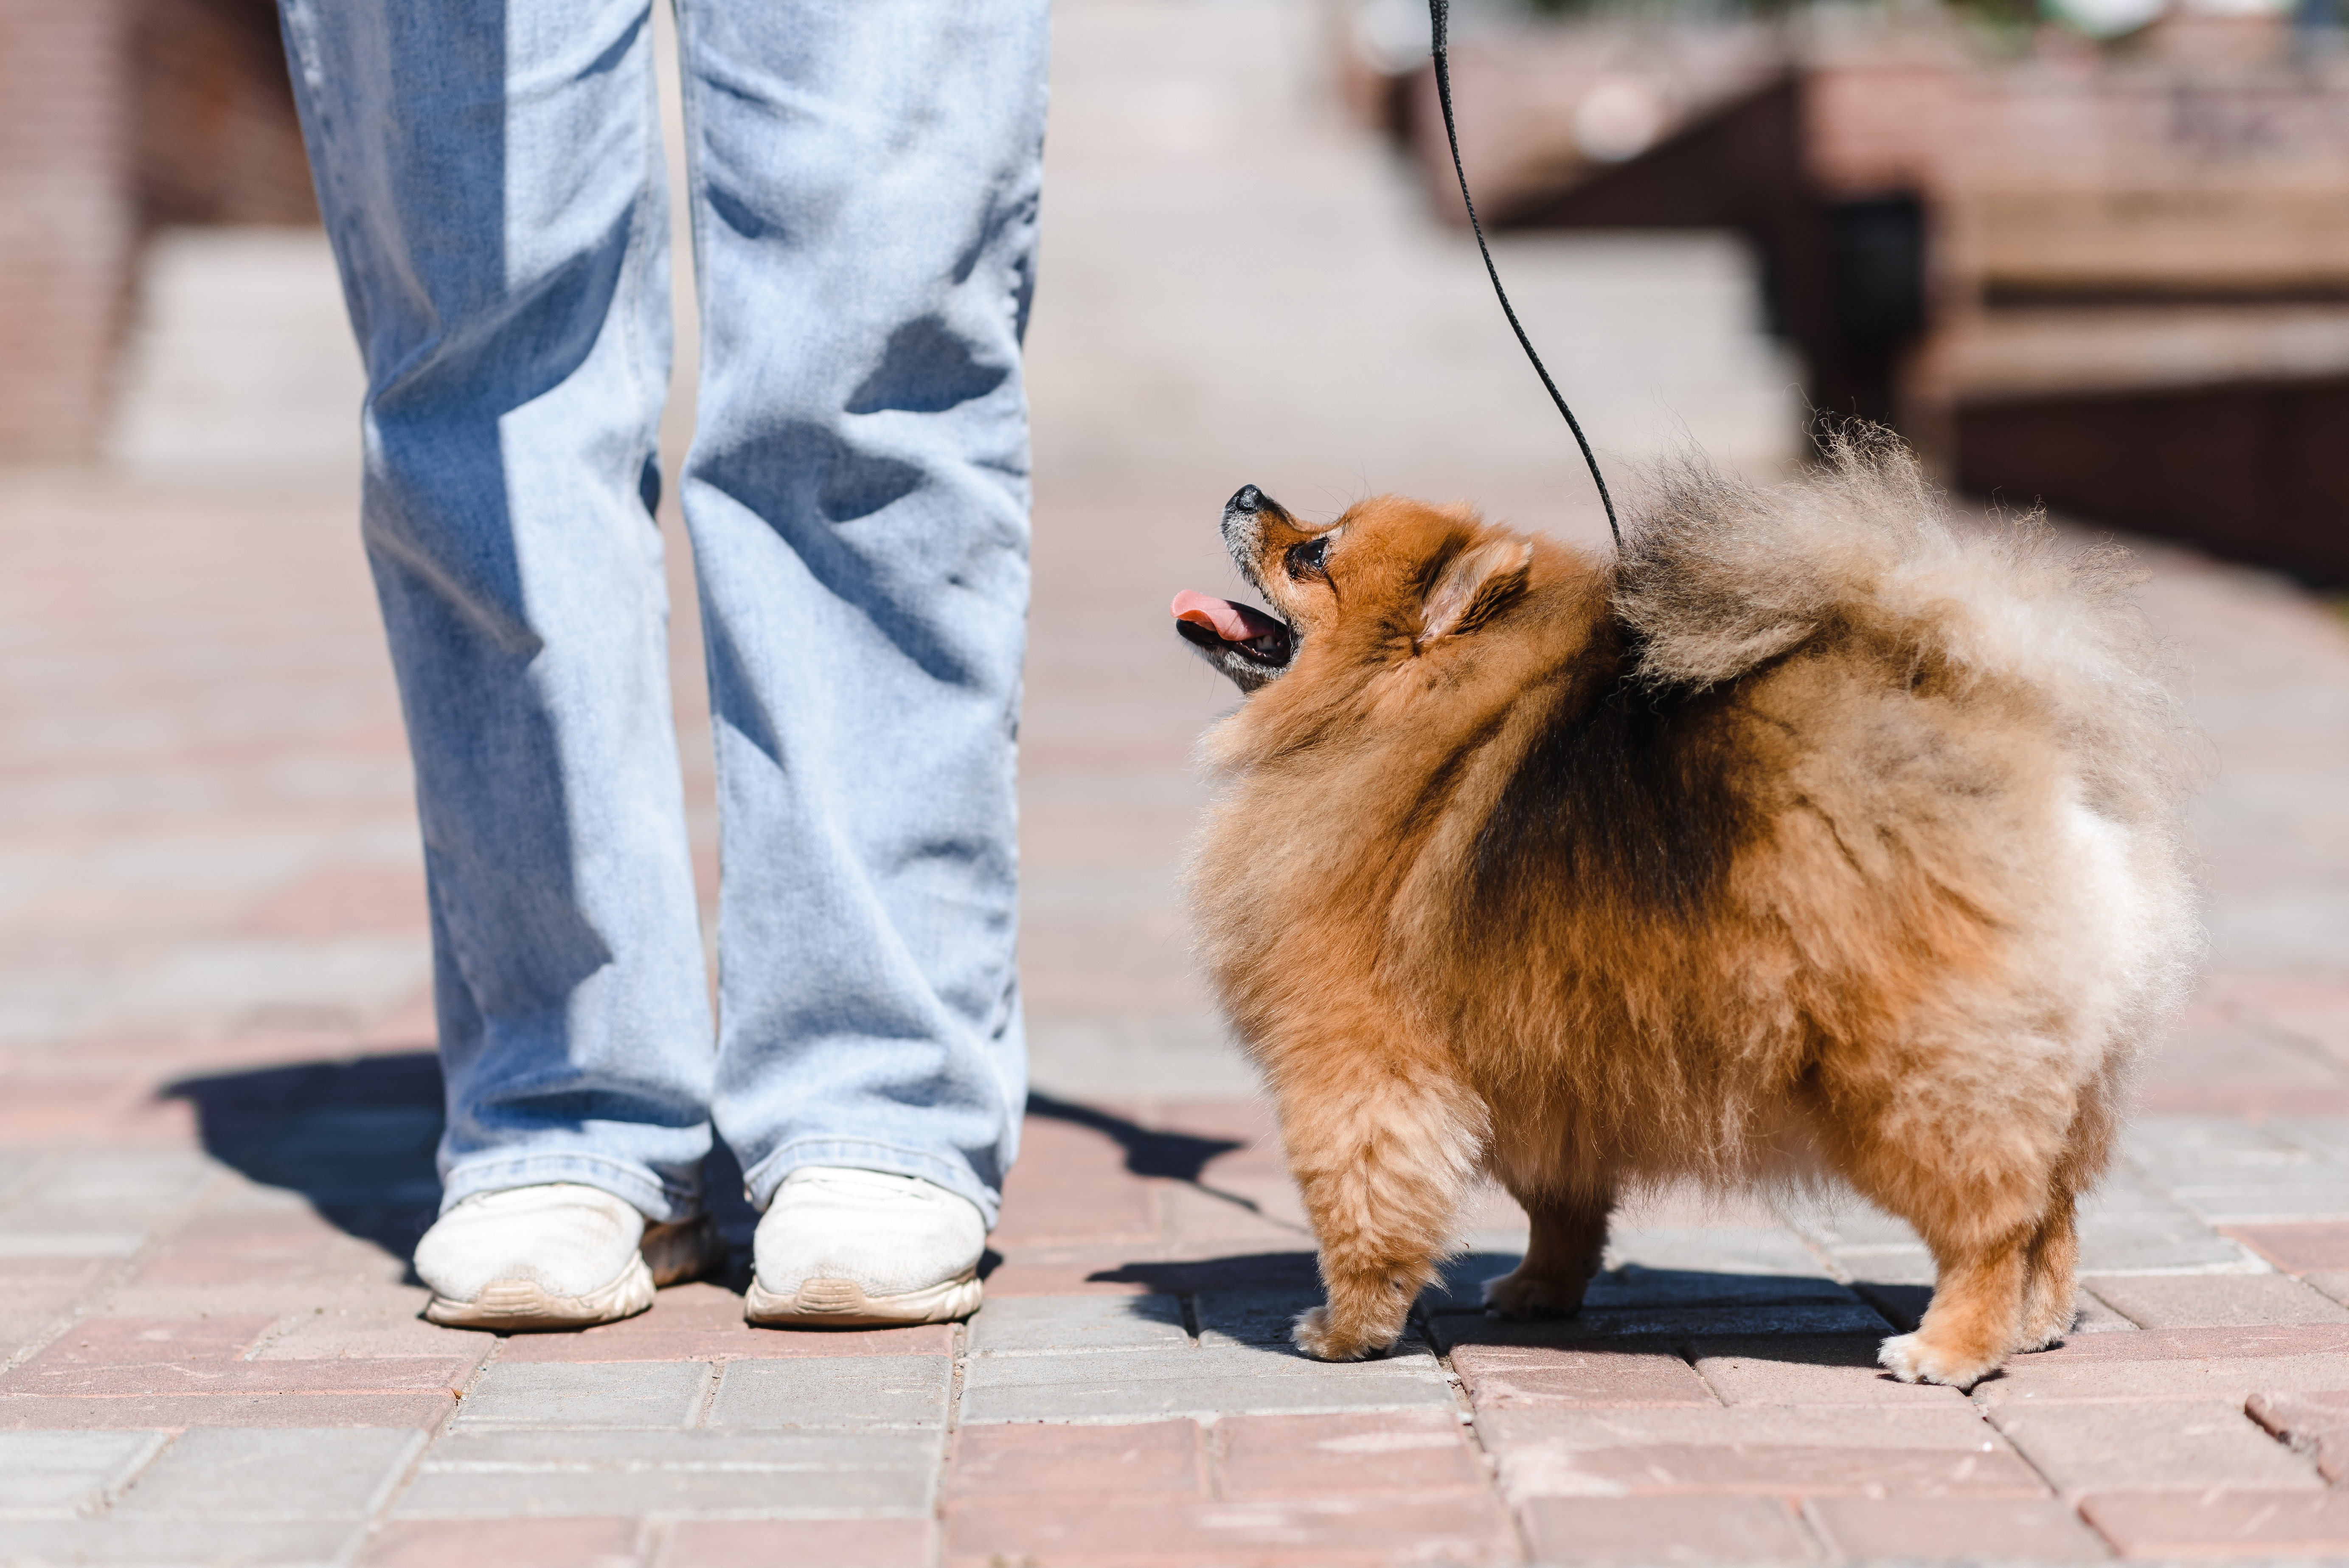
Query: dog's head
[1390, 581]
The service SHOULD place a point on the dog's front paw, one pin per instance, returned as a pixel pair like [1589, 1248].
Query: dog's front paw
[1522, 1296]
[1315, 1335]
[1910, 1359]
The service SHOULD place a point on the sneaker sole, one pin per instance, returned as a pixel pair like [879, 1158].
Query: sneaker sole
[670, 1254]
[843, 1303]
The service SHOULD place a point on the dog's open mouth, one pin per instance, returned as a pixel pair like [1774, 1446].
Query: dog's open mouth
[1244, 642]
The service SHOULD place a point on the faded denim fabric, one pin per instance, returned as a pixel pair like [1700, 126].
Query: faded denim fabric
[864, 178]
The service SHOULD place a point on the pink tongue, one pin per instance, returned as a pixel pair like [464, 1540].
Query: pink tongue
[1232, 622]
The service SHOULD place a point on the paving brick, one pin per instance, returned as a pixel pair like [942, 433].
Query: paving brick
[1714, 1249]
[1146, 1532]
[2237, 1522]
[802, 1542]
[1159, 1385]
[851, 1391]
[1756, 1450]
[1071, 1184]
[1695, 1529]
[1072, 1271]
[105, 1342]
[62, 1473]
[1044, 1461]
[145, 1542]
[46, 1287]
[2216, 1301]
[1229, 1317]
[1541, 1377]
[2298, 1249]
[253, 1408]
[2316, 1424]
[1045, 1324]
[400, 1374]
[1667, 1323]
[2173, 1444]
[1236, 1217]
[2161, 1244]
[1973, 1529]
[1386, 1454]
[508, 1543]
[2197, 1364]
[221, 1472]
[346, 1335]
[730, 1486]
[613, 1394]
[1797, 1369]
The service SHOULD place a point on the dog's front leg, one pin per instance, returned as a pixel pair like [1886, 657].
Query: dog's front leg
[1383, 1156]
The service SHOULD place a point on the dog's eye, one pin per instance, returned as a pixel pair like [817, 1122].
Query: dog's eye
[1305, 560]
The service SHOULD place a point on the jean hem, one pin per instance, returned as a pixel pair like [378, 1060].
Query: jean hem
[660, 1202]
[860, 1154]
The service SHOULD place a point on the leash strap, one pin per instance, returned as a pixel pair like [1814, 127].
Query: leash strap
[1438, 14]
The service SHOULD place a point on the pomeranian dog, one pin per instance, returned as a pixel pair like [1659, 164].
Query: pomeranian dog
[1805, 841]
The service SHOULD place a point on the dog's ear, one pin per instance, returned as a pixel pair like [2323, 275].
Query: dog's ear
[1477, 583]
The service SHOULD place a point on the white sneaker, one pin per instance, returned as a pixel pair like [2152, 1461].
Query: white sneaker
[557, 1255]
[864, 1249]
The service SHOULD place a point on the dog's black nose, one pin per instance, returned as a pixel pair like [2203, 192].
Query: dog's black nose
[1247, 497]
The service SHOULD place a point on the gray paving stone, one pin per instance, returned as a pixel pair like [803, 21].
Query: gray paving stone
[700, 1448]
[285, 1473]
[1849, 1223]
[1673, 1323]
[59, 1474]
[2326, 1137]
[2247, 1203]
[1229, 1318]
[1059, 1324]
[1152, 1385]
[2175, 1243]
[1714, 1249]
[606, 1394]
[134, 1183]
[851, 1391]
[720, 1488]
[171, 1542]
[2164, 1144]
[39, 1239]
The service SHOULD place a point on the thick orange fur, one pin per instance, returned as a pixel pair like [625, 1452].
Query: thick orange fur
[1807, 839]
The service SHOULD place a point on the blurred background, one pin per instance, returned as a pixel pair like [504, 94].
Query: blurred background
[2093, 252]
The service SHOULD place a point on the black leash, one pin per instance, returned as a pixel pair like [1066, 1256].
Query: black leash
[1438, 13]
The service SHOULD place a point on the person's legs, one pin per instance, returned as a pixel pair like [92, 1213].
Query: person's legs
[492, 178]
[866, 177]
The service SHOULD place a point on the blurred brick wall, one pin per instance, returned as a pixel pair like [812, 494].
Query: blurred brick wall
[67, 224]
[116, 116]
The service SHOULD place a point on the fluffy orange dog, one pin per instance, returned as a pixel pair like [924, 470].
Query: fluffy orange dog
[1805, 841]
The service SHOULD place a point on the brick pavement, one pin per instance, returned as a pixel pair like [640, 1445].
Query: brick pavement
[217, 1105]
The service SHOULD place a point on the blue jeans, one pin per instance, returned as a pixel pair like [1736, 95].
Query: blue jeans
[865, 180]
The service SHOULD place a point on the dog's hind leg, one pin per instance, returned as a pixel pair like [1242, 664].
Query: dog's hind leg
[2051, 1297]
[1565, 1247]
[1383, 1159]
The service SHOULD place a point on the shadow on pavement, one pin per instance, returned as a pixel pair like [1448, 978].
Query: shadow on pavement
[1149, 1151]
[357, 1137]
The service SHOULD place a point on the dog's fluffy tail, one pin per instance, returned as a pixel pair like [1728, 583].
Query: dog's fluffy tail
[1719, 576]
